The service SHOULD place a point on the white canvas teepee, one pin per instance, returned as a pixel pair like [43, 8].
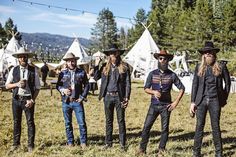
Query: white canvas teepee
[140, 57]
[6, 58]
[77, 49]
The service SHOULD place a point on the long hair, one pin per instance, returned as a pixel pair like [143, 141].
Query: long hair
[216, 68]
[122, 67]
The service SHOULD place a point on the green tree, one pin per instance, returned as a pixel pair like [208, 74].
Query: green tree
[105, 30]
[225, 26]
[203, 22]
[122, 38]
[11, 29]
[3, 36]
[138, 28]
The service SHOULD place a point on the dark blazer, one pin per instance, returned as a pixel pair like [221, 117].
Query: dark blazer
[198, 86]
[124, 82]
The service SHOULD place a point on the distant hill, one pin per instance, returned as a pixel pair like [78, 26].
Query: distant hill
[50, 42]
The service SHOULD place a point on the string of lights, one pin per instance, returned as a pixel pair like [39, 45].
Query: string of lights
[66, 9]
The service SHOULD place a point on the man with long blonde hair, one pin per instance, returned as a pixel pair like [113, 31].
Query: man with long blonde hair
[209, 94]
[115, 89]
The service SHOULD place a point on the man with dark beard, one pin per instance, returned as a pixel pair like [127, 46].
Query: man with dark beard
[24, 82]
[208, 94]
[158, 85]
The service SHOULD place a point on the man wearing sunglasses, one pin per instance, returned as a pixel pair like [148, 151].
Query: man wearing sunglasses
[209, 94]
[159, 84]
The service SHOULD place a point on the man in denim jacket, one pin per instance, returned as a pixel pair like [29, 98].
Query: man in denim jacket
[73, 85]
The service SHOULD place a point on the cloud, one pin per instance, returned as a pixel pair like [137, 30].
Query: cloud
[65, 20]
[5, 9]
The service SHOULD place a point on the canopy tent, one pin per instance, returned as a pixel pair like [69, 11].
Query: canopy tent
[6, 58]
[140, 57]
[77, 49]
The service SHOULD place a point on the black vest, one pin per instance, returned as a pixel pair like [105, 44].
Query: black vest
[31, 79]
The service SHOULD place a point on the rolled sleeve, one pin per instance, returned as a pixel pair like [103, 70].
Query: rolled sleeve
[148, 83]
[10, 77]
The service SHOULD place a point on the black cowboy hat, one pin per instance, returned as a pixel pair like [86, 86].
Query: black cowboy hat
[112, 49]
[209, 46]
[165, 54]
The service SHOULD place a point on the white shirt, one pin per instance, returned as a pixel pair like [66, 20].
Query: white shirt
[24, 76]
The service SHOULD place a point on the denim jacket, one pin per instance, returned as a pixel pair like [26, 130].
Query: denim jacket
[80, 81]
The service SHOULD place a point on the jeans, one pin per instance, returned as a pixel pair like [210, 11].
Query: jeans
[17, 108]
[153, 112]
[211, 105]
[78, 108]
[111, 102]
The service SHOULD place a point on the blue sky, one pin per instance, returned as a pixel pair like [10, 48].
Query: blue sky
[34, 18]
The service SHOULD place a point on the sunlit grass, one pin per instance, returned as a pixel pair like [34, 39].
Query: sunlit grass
[51, 138]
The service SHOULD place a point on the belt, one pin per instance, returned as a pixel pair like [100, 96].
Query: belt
[22, 98]
[69, 99]
[112, 93]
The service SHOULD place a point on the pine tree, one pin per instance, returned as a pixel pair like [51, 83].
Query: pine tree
[203, 17]
[11, 29]
[3, 36]
[122, 38]
[138, 28]
[225, 25]
[105, 30]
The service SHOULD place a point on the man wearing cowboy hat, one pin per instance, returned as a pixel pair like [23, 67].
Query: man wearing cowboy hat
[208, 94]
[24, 81]
[73, 86]
[159, 84]
[115, 89]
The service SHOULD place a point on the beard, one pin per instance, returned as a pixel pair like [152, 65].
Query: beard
[210, 60]
[163, 67]
[24, 63]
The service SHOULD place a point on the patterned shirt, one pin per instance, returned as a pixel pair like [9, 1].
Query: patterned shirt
[162, 82]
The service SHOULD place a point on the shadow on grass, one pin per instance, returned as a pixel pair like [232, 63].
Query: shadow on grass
[100, 139]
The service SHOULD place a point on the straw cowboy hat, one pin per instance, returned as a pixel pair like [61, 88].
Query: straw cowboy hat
[69, 56]
[165, 54]
[112, 49]
[23, 51]
[209, 46]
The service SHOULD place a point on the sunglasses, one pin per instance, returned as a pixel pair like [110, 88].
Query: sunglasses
[163, 58]
[209, 52]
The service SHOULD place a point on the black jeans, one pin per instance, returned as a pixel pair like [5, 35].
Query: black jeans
[111, 102]
[17, 108]
[153, 112]
[211, 105]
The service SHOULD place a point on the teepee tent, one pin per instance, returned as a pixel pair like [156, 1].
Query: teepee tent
[6, 58]
[77, 49]
[140, 57]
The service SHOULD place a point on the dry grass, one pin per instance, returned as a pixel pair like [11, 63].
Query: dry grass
[50, 130]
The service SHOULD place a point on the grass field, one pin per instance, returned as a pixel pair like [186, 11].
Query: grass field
[51, 138]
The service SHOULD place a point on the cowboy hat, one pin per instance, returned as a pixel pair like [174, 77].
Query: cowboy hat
[112, 49]
[165, 54]
[23, 51]
[69, 56]
[209, 46]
